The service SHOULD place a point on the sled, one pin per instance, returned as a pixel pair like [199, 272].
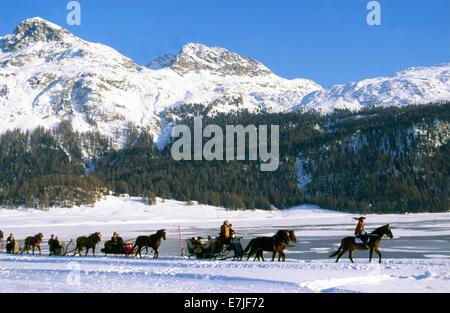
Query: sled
[16, 249]
[215, 249]
[125, 249]
[62, 249]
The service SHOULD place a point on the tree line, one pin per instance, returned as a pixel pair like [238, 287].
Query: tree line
[379, 160]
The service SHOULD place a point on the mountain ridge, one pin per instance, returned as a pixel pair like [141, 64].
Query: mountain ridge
[48, 75]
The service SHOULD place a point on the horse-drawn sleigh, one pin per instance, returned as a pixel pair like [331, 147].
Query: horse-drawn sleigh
[218, 250]
[214, 249]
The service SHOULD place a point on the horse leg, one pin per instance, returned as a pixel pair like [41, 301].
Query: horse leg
[283, 255]
[256, 255]
[273, 256]
[340, 254]
[249, 255]
[40, 252]
[261, 252]
[350, 255]
[156, 254]
[379, 254]
[370, 254]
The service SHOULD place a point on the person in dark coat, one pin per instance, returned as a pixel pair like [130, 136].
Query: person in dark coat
[10, 242]
[116, 243]
[51, 245]
[1, 238]
[57, 247]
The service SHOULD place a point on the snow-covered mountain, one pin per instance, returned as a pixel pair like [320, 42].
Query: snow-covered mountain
[416, 85]
[48, 75]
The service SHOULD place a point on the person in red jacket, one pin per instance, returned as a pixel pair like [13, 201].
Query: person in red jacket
[360, 232]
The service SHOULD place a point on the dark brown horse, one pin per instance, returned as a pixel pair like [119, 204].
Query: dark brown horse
[274, 244]
[152, 241]
[348, 243]
[280, 248]
[87, 242]
[33, 242]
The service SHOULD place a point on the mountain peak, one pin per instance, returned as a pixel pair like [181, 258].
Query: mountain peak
[33, 30]
[195, 57]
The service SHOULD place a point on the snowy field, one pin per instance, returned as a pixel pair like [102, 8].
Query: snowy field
[416, 260]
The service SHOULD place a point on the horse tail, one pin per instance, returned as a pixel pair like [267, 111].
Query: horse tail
[249, 245]
[337, 252]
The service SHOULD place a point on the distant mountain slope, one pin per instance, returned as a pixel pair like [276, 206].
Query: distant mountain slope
[417, 85]
[48, 75]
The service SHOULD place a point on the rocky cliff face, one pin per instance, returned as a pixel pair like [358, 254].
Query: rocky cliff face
[195, 57]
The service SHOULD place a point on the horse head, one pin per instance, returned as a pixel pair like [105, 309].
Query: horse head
[97, 237]
[40, 236]
[162, 233]
[384, 230]
[282, 236]
[292, 236]
[387, 231]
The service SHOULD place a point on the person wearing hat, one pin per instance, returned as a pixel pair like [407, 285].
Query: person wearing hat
[360, 232]
[225, 233]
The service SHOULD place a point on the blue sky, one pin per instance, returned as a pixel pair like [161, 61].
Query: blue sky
[328, 41]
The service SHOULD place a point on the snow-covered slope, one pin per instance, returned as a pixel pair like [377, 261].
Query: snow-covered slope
[416, 85]
[47, 75]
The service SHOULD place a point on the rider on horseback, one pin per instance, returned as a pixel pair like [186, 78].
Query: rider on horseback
[360, 232]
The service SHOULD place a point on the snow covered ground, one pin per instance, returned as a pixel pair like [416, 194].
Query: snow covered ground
[426, 237]
[100, 274]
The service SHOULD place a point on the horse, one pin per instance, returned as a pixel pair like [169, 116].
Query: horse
[280, 248]
[152, 241]
[276, 243]
[34, 242]
[348, 243]
[87, 242]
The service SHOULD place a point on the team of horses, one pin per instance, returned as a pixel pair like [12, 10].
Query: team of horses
[275, 244]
